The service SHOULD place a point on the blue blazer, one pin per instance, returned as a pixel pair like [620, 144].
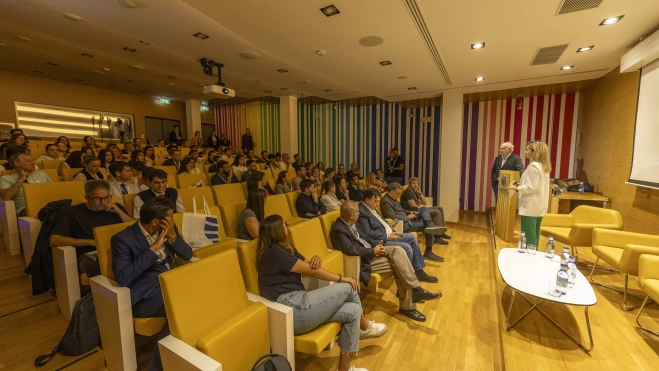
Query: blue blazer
[344, 241]
[134, 264]
[370, 224]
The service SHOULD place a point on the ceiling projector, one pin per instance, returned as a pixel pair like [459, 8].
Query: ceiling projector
[221, 92]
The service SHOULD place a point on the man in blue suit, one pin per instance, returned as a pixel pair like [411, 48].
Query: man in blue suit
[140, 253]
[378, 229]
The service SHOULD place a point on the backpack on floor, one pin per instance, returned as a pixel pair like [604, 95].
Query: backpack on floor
[82, 334]
[272, 362]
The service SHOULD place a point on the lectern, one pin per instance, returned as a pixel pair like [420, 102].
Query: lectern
[506, 206]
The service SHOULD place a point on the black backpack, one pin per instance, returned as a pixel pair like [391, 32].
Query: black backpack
[82, 334]
[272, 362]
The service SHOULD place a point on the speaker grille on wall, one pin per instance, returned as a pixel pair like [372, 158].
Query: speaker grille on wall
[570, 6]
[548, 55]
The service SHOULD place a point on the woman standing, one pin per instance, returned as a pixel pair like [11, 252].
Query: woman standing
[213, 141]
[280, 268]
[329, 199]
[196, 139]
[534, 190]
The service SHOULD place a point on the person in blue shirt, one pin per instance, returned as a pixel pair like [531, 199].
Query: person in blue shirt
[307, 204]
[224, 174]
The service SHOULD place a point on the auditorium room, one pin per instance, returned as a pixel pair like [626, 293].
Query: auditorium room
[351, 185]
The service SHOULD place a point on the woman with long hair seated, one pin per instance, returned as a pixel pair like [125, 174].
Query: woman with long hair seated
[250, 219]
[188, 167]
[373, 182]
[342, 189]
[64, 140]
[257, 180]
[315, 177]
[329, 198]
[64, 151]
[106, 157]
[280, 268]
[73, 161]
[283, 183]
[149, 155]
[239, 164]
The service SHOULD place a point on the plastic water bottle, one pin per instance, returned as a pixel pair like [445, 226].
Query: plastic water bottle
[580, 188]
[572, 272]
[562, 280]
[565, 255]
[549, 248]
[521, 245]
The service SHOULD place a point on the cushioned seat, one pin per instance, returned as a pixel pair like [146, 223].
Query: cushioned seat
[291, 198]
[651, 287]
[611, 255]
[187, 194]
[171, 173]
[559, 233]
[228, 193]
[278, 204]
[230, 214]
[308, 238]
[648, 280]
[148, 326]
[226, 243]
[189, 180]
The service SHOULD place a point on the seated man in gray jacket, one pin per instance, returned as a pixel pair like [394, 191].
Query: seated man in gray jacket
[413, 221]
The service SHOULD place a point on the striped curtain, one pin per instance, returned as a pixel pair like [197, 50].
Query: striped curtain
[261, 117]
[551, 118]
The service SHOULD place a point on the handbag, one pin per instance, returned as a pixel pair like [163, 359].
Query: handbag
[200, 230]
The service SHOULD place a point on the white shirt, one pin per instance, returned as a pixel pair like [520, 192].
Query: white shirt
[331, 202]
[504, 159]
[534, 191]
[387, 228]
[115, 190]
[151, 239]
[137, 204]
[283, 165]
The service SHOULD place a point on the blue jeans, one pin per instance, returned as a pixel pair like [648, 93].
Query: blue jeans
[333, 303]
[411, 247]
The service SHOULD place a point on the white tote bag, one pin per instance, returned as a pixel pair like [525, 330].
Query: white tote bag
[200, 230]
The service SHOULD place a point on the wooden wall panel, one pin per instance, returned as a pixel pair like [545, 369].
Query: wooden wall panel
[606, 123]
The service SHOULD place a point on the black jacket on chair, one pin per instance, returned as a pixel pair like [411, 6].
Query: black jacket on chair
[513, 162]
[344, 241]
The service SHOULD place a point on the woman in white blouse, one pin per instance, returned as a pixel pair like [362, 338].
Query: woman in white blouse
[329, 198]
[239, 164]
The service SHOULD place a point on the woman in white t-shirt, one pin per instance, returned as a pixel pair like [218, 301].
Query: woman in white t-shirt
[329, 198]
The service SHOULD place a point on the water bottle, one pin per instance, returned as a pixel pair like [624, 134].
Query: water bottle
[580, 188]
[565, 256]
[521, 245]
[562, 280]
[549, 248]
[572, 272]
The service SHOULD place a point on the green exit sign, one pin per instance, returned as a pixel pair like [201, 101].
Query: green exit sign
[164, 101]
[205, 108]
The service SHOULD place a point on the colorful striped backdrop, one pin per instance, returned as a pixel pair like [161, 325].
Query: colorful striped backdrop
[339, 132]
[261, 117]
[551, 118]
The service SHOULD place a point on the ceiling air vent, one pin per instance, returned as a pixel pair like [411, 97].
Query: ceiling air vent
[570, 6]
[548, 55]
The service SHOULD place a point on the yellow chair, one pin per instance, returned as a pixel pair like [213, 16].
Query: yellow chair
[576, 229]
[67, 174]
[312, 342]
[189, 180]
[226, 243]
[52, 173]
[187, 194]
[622, 251]
[184, 151]
[206, 167]
[160, 160]
[291, 198]
[238, 174]
[228, 193]
[648, 280]
[114, 309]
[51, 164]
[278, 204]
[129, 202]
[230, 213]
[171, 173]
[244, 186]
[267, 174]
[292, 173]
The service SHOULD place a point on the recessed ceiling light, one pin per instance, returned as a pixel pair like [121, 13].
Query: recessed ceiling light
[385, 63]
[480, 78]
[370, 41]
[402, 77]
[284, 88]
[80, 80]
[567, 67]
[170, 83]
[611, 20]
[145, 43]
[307, 81]
[130, 80]
[130, 49]
[98, 72]
[268, 91]
[51, 64]
[73, 17]
[330, 10]
[23, 38]
[250, 55]
[136, 66]
[106, 69]
[87, 55]
[585, 48]
[38, 72]
[201, 36]
[171, 77]
[329, 90]
[126, 4]
[412, 88]
[282, 70]
[478, 46]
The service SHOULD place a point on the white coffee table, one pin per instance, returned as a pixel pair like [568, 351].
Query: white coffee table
[531, 274]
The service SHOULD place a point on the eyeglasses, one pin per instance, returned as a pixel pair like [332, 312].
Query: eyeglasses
[100, 199]
[502, 149]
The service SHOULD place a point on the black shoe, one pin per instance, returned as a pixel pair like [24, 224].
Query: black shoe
[413, 314]
[425, 277]
[445, 236]
[425, 295]
[432, 256]
[441, 241]
[435, 230]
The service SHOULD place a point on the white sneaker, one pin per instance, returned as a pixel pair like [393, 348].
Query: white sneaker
[353, 368]
[374, 330]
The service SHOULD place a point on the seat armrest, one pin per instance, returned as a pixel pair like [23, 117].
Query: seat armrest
[10, 227]
[557, 220]
[648, 268]
[176, 355]
[620, 239]
[67, 281]
[581, 234]
[280, 323]
[631, 256]
[351, 267]
[241, 241]
[29, 229]
[398, 227]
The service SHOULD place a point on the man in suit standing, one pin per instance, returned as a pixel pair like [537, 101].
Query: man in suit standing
[506, 160]
[349, 238]
[247, 141]
[140, 253]
[175, 136]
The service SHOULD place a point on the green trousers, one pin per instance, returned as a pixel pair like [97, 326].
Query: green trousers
[531, 227]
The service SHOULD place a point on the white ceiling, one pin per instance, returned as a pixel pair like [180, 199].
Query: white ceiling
[288, 33]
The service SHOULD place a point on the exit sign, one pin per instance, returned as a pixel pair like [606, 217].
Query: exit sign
[164, 101]
[205, 108]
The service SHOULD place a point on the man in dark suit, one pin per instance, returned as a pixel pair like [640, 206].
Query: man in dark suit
[379, 229]
[174, 159]
[175, 136]
[356, 189]
[140, 253]
[507, 160]
[350, 239]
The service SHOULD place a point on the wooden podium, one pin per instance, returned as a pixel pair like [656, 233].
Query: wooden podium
[506, 206]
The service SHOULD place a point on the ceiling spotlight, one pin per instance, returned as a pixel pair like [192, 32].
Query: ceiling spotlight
[73, 17]
[611, 20]
[145, 43]
[130, 80]
[329, 90]
[126, 4]
[330, 10]
[51, 64]
[268, 91]
[478, 46]
[282, 70]
[585, 49]
[80, 80]
[567, 67]
[307, 81]
[136, 66]
[87, 55]
[23, 38]
[38, 72]
[130, 49]
[201, 36]
[479, 78]
[412, 88]
[170, 83]
[385, 63]
[171, 77]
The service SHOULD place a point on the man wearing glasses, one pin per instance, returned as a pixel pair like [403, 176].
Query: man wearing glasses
[506, 160]
[158, 180]
[76, 228]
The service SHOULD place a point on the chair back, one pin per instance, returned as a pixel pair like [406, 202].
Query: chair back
[238, 174]
[128, 202]
[278, 204]
[184, 151]
[38, 195]
[326, 221]
[51, 164]
[596, 215]
[102, 236]
[291, 199]
[52, 173]
[206, 167]
[308, 238]
[228, 193]
[268, 174]
[187, 194]
[244, 186]
[67, 174]
[188, 180]
[247, 255]
[292, 173]
[160, 160]
[230, 214]
[171, 173]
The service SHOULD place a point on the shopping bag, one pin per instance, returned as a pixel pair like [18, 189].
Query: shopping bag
[200, 230]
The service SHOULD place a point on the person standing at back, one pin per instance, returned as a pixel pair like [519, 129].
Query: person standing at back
[534, 190]
[175, 136]
[395, 166]
[506, 160]
[247, 141]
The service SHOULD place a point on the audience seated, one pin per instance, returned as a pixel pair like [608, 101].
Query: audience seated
[307, 203]
[301, 175]
[11, 185]
[354, 170]
[263, 159]
[76, 228]
[314, 175]
[413, 221]
[106, 157]
[224, 174]
[120, 186]
[280, 267]
[285, 163]
[341, 173]
[90, 142]
[329, 198]
[64, 151]
[251, 168]
[283, 183]
[7, 143]
[52, 153]
[188, 166]
[250, 218]
[342, 192]
[174, 159]
[143, 251]
[91, 170]
[379, 176]
[9, 152]
[128, 148]
[412, 199]
[158, 182]
[73, 161]
[356, 188]
[272, 163]
[297, 162]
[257, 180]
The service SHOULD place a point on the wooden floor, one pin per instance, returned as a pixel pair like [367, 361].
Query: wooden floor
[464, 330]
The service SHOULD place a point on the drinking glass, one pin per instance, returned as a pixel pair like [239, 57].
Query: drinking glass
[531, 249]
[551, 288]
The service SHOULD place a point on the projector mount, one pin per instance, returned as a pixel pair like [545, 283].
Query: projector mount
[208, 65]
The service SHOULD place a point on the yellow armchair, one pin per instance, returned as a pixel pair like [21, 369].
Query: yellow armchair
[622, 251]
[648, 279]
